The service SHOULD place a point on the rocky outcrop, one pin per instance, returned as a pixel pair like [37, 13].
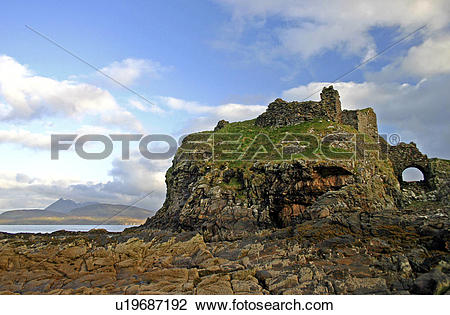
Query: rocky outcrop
[440, 179]
[436, 172]
[229, 202]
[406, 155]
[233, 198]
[222, 123]
[230, 198]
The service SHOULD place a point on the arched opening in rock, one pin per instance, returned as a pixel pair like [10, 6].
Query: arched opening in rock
[412, 174]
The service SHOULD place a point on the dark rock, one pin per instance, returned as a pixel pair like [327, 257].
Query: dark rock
[434, 282]
[222, 123]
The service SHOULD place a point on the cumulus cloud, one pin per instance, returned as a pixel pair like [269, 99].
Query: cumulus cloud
[236, 112]
[227, 111]
[23, 178]
[25, 138]
[29, 96]
[138, 175]
[205, 117]
[129, 70]
[309, 28]
[430, 58]
[183, 105]
[147, 107]
[41, 141]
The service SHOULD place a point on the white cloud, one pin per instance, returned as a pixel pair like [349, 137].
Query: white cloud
[129, 70]
[145, 108]
[30, 96]
[227, 111]
[236, 112]
[430, 58]
[25, 138]
[206, 117]
[183, 105]
[33, 140]
[353, 95]
[308, 28]
[318, 38]
[23, 178]
[139, 175]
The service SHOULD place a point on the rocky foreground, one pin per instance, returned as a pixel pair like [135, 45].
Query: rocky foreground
[386, 252]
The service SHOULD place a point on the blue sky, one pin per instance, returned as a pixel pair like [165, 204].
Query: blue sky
[199, 62]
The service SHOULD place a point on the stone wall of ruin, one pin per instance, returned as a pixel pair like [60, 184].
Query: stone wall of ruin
[364, 120]
[281, 113]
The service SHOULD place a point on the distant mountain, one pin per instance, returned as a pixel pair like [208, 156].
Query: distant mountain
[23, 214]
[58, 213]
[67, 205]
[106, 210]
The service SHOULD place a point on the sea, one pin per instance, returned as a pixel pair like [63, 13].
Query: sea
[53, 228]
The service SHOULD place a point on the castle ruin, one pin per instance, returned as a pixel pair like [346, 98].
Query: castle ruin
[281, 113]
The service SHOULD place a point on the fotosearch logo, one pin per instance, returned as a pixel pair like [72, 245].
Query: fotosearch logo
[227, 146]
[61, 142]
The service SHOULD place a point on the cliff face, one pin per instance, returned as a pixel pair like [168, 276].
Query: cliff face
[229, 202]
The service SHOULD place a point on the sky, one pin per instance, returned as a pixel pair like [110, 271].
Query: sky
[187, 64]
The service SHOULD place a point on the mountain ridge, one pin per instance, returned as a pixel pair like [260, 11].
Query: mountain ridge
[66, 205]
[87, 213]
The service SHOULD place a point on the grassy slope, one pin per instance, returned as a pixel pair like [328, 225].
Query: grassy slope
[248, 132]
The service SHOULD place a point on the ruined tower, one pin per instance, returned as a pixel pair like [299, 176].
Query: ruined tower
[330, 104]
[281, 113]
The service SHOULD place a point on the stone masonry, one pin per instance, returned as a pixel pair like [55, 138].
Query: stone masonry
[363, 120]
[281, 113]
